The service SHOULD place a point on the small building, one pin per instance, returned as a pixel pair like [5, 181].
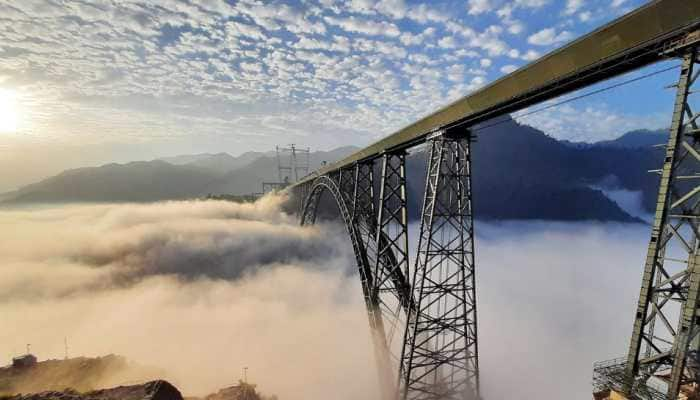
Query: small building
[24, 361]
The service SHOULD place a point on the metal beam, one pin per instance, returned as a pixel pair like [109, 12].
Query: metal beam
[632, 41]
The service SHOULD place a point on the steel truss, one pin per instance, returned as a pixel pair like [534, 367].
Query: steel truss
[392, 290]
[436, 310]
[440, 356]
[670, 288]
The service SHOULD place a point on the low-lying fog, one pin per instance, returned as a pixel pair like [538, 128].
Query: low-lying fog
[203, 289]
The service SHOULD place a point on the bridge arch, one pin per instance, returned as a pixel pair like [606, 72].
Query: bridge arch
[308, 217]
[362, 231]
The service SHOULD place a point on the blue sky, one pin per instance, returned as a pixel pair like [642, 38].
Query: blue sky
[98, 81]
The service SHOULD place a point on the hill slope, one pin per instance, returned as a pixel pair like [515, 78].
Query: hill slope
[81, 373]
[637, 139]
[137, 181]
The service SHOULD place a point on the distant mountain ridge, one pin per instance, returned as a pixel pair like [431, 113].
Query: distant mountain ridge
[519, 173]
[136, 181]
[171, 178]
[637, 139]
[218, 162]
[641, 138]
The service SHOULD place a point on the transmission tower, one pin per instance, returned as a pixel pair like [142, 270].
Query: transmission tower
[292, 163]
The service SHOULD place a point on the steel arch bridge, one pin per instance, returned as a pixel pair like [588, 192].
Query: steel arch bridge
[423, 314]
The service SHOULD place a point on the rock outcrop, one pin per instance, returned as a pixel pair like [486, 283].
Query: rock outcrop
[154, 390]
[82, 374]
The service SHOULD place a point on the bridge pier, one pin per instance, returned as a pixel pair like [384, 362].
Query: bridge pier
[422, 319]
[440, 357]
[663, 353]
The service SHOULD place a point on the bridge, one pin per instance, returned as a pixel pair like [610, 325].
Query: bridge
[422, 308]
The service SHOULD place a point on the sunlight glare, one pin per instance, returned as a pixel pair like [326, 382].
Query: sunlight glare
[9, 112]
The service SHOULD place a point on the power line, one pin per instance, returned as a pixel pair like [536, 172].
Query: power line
[579, 97]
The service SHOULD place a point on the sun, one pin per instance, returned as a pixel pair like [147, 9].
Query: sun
[9, 111]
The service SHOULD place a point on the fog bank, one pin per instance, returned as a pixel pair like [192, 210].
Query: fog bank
[202, 289]
[198, 289]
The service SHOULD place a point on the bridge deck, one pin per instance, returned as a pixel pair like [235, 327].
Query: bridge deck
[630, 42]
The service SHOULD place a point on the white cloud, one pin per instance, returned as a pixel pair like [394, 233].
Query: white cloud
[447, 42]
[466, 53]
[394, 8]
[485, 62]
[590, 123]
[241, 29]
[410, 39]
[531, 3]
[488, 40]
[377, 46]
[365, 26]
[572, 6]
[584, 16]
[548, 37]
[340, 43]
[507, 69]
[617, 3]
[515, 27]
[455, 73]
[424, 14]
[477, 7]
[531, 55]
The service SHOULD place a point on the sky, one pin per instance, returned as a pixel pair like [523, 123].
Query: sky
[90, 82]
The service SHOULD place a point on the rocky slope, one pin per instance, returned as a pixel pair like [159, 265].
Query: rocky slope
[81, 374]
[154, 390]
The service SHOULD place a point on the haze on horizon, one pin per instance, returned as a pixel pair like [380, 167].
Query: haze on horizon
[91, 82]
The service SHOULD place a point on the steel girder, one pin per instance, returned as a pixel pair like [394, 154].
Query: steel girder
[667, 319]
[440, 356]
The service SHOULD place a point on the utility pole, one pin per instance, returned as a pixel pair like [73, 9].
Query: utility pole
[245, 375]
[65, 345]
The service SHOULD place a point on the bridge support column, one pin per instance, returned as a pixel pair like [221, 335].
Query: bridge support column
[440, 356]
[392, 291]
[392, 233]
[670, 289]
[365, 221]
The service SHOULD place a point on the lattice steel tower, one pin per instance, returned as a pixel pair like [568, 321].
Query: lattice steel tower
[663, 352]
[292, 163]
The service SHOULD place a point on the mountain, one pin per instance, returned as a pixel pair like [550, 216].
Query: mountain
[136, 181]
[519, 173]
[219, 162]
[180, 177]
[264, 169]
[637, 139]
